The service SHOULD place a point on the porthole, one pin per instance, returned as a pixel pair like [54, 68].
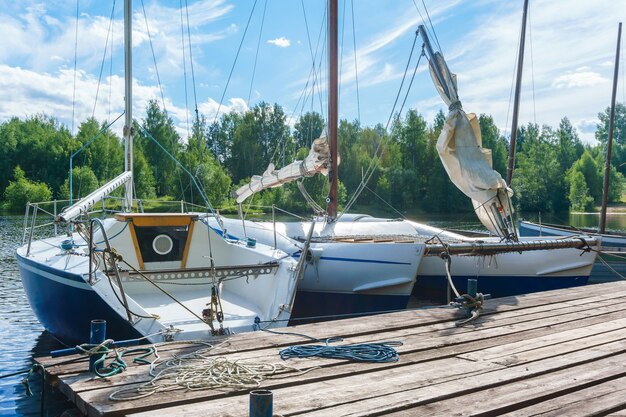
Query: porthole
[162, 244]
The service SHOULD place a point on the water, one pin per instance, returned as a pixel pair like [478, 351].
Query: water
[23, 338]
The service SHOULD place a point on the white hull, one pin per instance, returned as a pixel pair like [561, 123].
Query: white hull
[254, 284]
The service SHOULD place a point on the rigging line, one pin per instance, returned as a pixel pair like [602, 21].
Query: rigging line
[508, 110]
[532, 64]
[377, 156]
[343, 32]
[193, 76]
[75, 64]
[432, 27]
[182, 36]
[104, 54]
[356, 68]
[256, 55]
[313, 56]
[156, 68]
[424, 22]
[402, 82]
[111, 69]
[219, 107]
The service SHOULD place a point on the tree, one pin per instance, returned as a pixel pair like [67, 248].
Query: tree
[618, 154]
[159, 127]
[105, 153]
[579, 197]
[308, 128]
[22, 191]
[84, 181]
[492, 139]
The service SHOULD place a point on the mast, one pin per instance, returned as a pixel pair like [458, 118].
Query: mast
[607, 163]
[332, 107]
[128, 99]
[518, 88]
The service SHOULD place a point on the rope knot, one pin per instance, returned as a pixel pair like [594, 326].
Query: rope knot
[455, 106]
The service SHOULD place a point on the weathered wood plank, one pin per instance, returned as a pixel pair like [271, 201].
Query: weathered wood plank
[598, 399]
[403, 386]
[412, 343]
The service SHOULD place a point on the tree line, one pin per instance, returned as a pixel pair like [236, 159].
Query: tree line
[554, 170]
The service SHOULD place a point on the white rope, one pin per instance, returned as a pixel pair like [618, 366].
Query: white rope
[198, 371]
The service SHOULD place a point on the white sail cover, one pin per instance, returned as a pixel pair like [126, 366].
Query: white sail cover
[468, 165]
[316, 162]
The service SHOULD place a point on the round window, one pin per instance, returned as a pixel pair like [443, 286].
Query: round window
[162, 244]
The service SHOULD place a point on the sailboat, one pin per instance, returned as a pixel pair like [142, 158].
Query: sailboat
[152, 276]
[611, 264]
[358, 264]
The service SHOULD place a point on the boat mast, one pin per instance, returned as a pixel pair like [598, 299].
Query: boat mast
[332, 107]
[128, 96]
[607, 163]
[518, 88]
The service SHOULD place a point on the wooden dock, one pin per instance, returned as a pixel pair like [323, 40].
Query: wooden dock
[553, 353]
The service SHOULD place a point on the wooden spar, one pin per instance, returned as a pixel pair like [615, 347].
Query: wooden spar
[607, 163]
[332, 107]
[518, 87]
[488, 248]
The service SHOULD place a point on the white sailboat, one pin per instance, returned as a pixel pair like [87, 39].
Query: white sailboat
[358, 263]
[158, 276]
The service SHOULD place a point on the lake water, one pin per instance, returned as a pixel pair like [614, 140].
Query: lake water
[23, 337]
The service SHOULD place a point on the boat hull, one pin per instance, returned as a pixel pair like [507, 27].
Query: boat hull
[65, 304]
[610, 264]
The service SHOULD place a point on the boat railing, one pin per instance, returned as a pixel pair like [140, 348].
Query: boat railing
[41, 218]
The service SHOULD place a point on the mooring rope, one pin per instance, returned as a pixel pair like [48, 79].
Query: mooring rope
[363, 352]
[197, 371]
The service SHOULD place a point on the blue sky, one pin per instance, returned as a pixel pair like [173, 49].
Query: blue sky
[568, 65]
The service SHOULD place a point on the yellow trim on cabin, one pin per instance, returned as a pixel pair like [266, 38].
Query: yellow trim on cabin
[161, 219]
[183, 263]
[133, 235]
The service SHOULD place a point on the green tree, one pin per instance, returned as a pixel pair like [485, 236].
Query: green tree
[105, 154]
[84, 181]
[491, 139]
[159, 126]
[22, 191]
[618, 154]
[579, 197]
[308, 128]
[591, 171]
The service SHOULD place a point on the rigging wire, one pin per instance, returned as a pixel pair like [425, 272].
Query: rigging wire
[508, 110]
[256, 55]
[75, 64]
[532, 65]
[156, 68]
[182, 36]
[432, 27]
[378, 155]
[356, 68]
[426, 26]
[219, 107]
[104, 54]
[193, 75]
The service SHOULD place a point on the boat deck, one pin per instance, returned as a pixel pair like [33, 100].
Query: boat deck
[554, 353]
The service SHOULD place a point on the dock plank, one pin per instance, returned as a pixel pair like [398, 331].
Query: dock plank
[566, 341]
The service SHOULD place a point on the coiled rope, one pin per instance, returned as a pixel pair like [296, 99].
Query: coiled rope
[365, 352]
[198, 371]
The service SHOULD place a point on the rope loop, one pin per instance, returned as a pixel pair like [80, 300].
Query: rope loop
[366, 352]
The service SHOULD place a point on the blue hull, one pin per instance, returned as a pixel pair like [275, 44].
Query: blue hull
[315, 306]
[434, 287]
[65, 304]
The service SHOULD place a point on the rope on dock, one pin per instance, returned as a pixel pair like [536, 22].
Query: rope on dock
[364, 352]
[197, 371]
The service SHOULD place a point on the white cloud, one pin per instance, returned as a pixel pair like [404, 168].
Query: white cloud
[281, 42]
[578, 79]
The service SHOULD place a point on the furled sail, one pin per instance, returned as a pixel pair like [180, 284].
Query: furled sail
[468, 165]
[316, 162]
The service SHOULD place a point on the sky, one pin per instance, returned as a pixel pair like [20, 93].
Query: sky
[249, 51]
